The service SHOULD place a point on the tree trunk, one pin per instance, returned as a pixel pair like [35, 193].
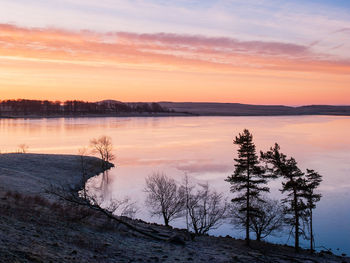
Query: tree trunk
[258, 236]
[296, 215]
[248, 206]
[311, 233]
[247, 223]
[166, 220]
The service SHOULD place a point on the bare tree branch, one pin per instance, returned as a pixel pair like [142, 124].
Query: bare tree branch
[164, 197]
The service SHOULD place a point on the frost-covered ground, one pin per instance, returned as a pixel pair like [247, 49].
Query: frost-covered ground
[35, 173]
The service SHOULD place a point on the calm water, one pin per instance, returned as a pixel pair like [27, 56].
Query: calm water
[202, 147]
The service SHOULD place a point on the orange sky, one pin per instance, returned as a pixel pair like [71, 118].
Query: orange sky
[47, 63]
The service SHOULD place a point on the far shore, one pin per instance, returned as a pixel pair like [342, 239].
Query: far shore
[126, 115]
[164, 115]
[173, 109]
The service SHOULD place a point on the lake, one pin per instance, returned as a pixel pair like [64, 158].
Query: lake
[202, 148]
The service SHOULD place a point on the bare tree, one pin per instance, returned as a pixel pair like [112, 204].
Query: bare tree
[187, 189]
[125, 207]
[164, 197]
[104, 147]
[268, 221]
[118, 207]
[22, 148]
[206, 208]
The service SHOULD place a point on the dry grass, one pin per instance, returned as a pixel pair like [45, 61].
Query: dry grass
[34, 229]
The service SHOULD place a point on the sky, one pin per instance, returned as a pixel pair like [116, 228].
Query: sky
[247, 51]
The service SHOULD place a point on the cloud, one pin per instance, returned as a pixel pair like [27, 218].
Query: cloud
[162, 51]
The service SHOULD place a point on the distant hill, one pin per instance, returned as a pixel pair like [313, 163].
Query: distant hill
[237, 109]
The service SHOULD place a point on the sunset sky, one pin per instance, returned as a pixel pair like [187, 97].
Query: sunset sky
[248, 51]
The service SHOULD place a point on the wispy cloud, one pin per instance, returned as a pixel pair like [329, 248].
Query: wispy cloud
[162, 51]
[298, 22]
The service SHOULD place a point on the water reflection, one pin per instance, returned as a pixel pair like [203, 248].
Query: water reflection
[202, 147]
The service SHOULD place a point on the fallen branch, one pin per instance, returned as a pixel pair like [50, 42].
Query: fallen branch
[89, 202]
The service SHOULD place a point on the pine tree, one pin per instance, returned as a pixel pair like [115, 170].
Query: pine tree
[313, 180]
[294, 186]
[247, 178]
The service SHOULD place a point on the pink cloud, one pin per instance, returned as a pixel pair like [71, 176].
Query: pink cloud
[223, 44]
[163, 49]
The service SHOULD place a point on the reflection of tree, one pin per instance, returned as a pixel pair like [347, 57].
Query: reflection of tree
[99, 187]
[98, 190]
[104, 184]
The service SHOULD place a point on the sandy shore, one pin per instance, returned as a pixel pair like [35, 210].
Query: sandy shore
[36, 229]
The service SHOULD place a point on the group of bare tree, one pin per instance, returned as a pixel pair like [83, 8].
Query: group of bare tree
[203, 208]
[249, 182]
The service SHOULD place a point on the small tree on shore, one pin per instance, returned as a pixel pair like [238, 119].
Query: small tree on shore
[104, 147]
[268, 221]
[248, 180]
[22, 148]
[164, 197]
[206, 209]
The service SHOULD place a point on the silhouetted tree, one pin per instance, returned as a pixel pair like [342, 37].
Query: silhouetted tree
[248, 178]
[206, 208]
[164, 197]
[293, 185]
[269, 219]
[104, 147]
[313, 180]
[22, 148]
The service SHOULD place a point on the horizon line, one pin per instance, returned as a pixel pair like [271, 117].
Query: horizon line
[168, 101]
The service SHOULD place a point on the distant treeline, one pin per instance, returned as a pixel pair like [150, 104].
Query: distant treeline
[74, 107]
